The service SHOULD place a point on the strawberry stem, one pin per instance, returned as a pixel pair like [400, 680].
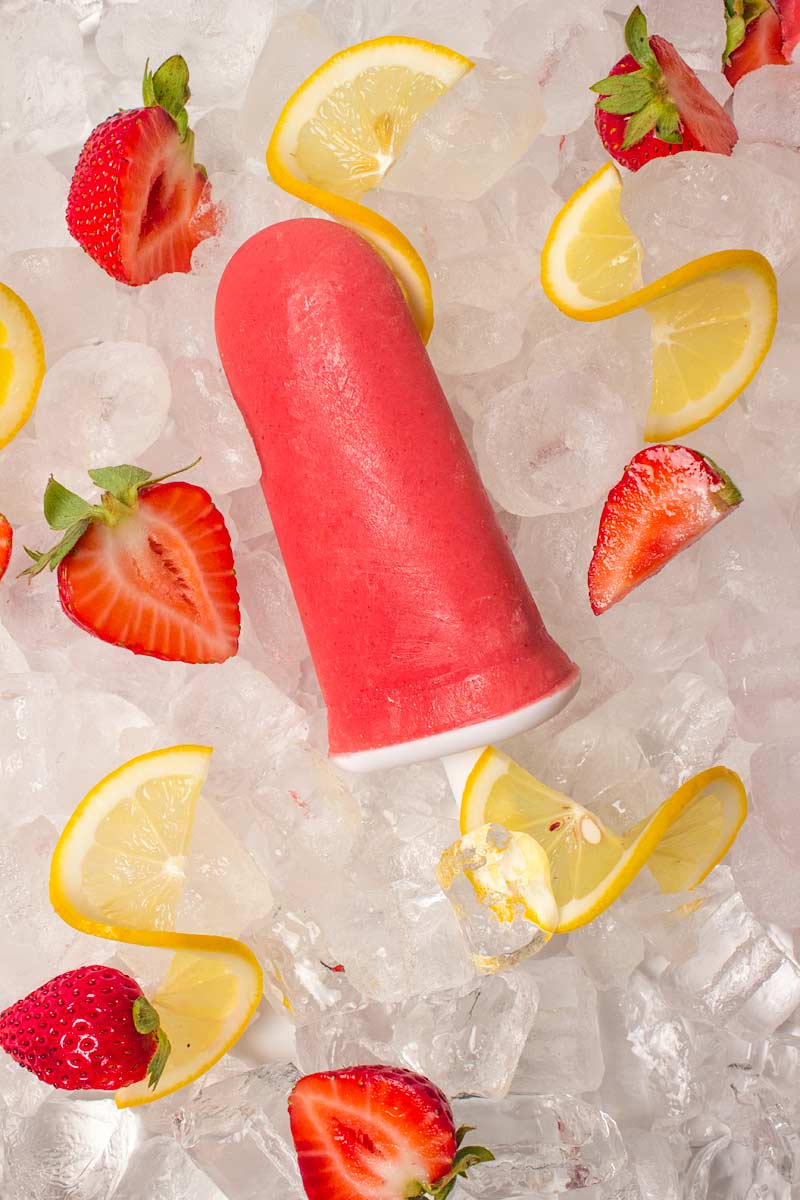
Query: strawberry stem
[168, 87]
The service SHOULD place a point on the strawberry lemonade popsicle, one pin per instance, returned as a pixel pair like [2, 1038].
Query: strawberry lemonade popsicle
[425, 638]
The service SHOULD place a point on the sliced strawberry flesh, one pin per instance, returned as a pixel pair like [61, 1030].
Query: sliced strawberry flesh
[789, 12]
[363, 1135]
[668, 497]
[761, 47]
[160, 581]
[700, 113]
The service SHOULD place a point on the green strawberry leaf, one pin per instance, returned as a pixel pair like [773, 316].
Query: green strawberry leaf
[145, 1017]
[641, 123]
[52, 558]
[637, 41]
[628, 94]
[171, 85]
[668, 126]
[159, 1060]
[728, 495]
[462, 1132]
[120, 481]
[62, 508]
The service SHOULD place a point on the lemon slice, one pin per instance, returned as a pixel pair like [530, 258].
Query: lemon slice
[712, 320]
[22, 363]
[340, 132]
[589, 865]
[117, 872]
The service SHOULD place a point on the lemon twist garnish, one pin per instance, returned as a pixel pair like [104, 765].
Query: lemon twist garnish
[340, 132]
[712, 320]
[590, 866]
[117, 872]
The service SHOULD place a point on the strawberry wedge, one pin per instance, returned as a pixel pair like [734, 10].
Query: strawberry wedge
[668, 497]
[6, 541]
[376, 1133]
[752, 43]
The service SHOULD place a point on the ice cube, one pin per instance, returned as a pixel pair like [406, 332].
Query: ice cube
[697, 32]
[218, 140]
[471, 136]
[520, 209]
[480, 873]
[302, 977]
[103, 405]
[267, 597]
[717, 203]
[608, 949]
[42, 97]
[438, 23]
[161, 1170]
[563, 1052]
[686, 726]
[49, 279]
[760, 656]
[653, 1165]
[298, 43]
[767, 426]
[68, 1149]
[466, 339]
[566, 49]
[469, 1042]
[237, 1132]
[241, 713]
[553, 443]
[766, 106]
[250, 514]
[543, 1146]
[204, 405]
[763, 864]
[32, 207]
[739, 976]
[220, 39]
[494, 279]
[356, 1034]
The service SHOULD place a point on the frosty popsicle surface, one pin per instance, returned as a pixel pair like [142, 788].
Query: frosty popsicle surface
[425, 638]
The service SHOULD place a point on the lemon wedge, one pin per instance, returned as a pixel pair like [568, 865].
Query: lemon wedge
[117, 872]
[712, 320]
[22, 363]
[340, 132]
[590, 866]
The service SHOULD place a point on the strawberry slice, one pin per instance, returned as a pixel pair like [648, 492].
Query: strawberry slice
[668, 497]
[652, 104]
[6, 541]
[376, 1133]
[754, 38]
[138, 203]
[150, 568]
[789, 13]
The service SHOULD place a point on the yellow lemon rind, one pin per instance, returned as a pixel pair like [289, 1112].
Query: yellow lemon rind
[393, 245]
[24, 339]
[638, 845]
[70, 913]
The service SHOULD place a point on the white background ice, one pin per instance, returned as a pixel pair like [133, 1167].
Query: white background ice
[666, 1035]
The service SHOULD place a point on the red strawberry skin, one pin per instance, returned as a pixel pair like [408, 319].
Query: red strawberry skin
[137, 203]
[762, 46]
[369, 1133]
[668, 497]
[160, 582]
[652, 104]
[78, 1032]
[6, 543]
[612, 126]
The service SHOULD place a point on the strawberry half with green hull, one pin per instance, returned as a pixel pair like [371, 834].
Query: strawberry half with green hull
[754, 38]
[6, 543]
[668, 497]
[90, 1028]
[149, 568]
[377, 1133]
[138, 203]
[652, 104]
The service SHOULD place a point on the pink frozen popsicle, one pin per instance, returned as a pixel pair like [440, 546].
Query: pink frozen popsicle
[425, 638]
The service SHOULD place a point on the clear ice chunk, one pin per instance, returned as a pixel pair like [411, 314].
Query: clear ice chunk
[564, 1051]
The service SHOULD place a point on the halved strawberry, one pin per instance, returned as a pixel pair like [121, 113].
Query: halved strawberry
[6, 542]
[754, 38]
[668, 497]
[789, 13]
[138, 203]
[150, 568]
[376, 1133]
[652, 104]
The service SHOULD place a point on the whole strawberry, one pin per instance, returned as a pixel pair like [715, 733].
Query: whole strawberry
[149, 568]
[377, 1133]
[90, 1028]
[652, 104]
[6, 541]
[138, 203]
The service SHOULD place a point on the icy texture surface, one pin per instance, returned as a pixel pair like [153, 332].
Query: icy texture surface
[651, 1055]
